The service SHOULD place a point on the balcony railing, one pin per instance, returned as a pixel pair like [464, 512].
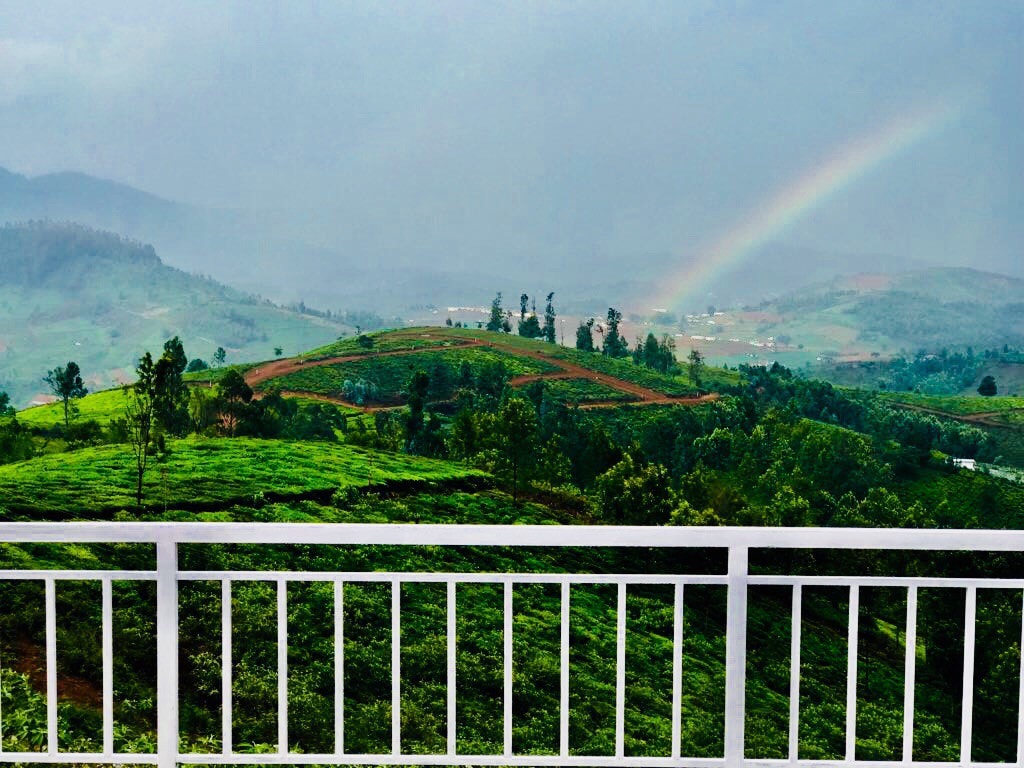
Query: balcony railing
[737, 541]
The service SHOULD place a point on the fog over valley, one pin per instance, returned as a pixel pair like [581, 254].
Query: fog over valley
[387, 154]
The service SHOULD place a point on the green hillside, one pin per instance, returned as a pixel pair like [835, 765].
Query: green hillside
[769, 448]
[868, 318]
[71, 293]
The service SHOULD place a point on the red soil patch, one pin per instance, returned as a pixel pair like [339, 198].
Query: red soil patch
[567, 370]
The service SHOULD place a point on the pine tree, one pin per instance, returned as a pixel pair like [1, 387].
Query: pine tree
[497, 319]
[549, 320]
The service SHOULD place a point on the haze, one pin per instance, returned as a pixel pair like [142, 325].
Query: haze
[556, 144]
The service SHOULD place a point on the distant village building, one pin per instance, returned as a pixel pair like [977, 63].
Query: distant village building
[964, 463]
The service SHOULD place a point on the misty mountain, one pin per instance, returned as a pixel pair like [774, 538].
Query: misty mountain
[921, 309]
[249, 251]
[73, 293]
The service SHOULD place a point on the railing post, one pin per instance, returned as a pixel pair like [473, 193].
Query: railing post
[167, 652]
[736, 657]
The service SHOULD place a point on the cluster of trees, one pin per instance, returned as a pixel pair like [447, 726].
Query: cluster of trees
[613, 343]
[780, 451]
[529, 325]
[659, 355]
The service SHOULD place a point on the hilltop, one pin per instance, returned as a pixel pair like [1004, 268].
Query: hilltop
[74, 293]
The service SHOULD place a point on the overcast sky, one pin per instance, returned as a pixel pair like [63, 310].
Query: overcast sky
[457, 131]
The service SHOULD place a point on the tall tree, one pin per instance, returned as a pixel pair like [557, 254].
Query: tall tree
[614, 344]
[419, 386]
[219, 357]
[695, 366]
[529, 325]
[66, 384]
[170, 396]
[549, 319]
[585, 336]
[497, 317]
[140, 409]
[235, 396]
[517, 437]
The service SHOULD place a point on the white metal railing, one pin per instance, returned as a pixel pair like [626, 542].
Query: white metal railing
[737, 579]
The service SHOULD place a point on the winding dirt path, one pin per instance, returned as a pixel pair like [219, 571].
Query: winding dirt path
[565, 370]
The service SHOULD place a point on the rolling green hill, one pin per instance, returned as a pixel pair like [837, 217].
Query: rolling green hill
[868, 318]
[72, 293]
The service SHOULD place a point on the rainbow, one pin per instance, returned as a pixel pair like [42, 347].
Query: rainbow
[815, 187]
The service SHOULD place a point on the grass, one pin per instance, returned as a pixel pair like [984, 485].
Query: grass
[958, 405]
[620, 368]
[584, 391]
[383, 341]
[102, 407]
[207, 473]
[391, 374]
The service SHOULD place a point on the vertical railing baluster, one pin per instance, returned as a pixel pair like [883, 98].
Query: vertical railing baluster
[107, 612]
[282, 666]
[1020, 692]
[507, 642]
[226, 681]
[563, 685]
[396, 667]
[677, 671]
[1, 717]
[167, 652]
[794, 673]
[852, 640]
[51, 666]
[339, 667]
[451, 667]
[967, 711]
[736, 656]
[909, 672]
[620, 673]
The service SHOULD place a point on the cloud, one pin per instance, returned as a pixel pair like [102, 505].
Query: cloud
[106, 60]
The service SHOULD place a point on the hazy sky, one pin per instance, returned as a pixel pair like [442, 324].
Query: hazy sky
[468, 131]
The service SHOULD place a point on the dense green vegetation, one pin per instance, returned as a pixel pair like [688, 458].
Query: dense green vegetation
[583, 391]
[775, 449]
[390, 375]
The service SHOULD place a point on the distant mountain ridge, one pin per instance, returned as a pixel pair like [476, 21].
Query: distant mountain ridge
[921, 309]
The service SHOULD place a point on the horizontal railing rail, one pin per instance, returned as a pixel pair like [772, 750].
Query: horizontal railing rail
[737, 579]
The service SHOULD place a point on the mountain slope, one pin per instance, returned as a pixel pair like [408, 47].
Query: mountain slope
[73, 293]
[929, 309]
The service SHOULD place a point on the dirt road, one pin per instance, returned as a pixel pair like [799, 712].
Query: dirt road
[566, 370]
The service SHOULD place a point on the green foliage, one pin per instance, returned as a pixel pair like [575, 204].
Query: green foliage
[581, 391]
[695, 366]
[987, 388]
[614, 345]
[585, 336]
[631, 495]
[66, 384]
[548, 332]
[496, 320]
[661, 356]
[201, 473]
[389, 375]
